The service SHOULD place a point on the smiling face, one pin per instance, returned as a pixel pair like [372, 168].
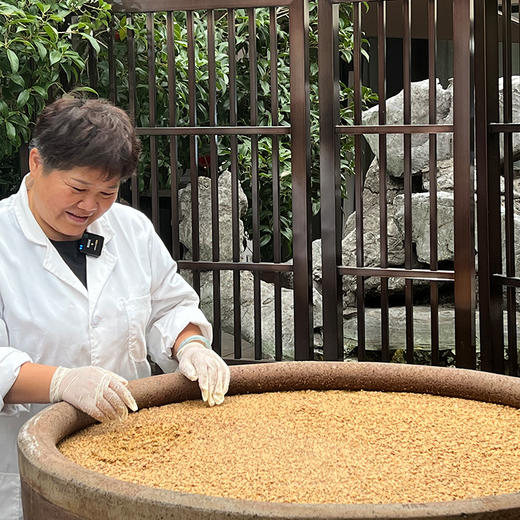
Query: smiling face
[66, 202]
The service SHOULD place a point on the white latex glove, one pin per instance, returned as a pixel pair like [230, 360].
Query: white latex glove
[98, 392]
[197, 362]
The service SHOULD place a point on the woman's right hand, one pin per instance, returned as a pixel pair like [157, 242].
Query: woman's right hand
[98, 392]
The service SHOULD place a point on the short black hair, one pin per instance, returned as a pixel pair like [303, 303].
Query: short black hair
[74, 132]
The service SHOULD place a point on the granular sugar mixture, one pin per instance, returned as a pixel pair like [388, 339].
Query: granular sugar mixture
[313, 447]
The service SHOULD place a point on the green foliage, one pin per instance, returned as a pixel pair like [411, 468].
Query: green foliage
[43, 51]
[9, 176]
[243, 102]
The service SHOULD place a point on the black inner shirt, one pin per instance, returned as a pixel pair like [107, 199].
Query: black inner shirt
[77, 261]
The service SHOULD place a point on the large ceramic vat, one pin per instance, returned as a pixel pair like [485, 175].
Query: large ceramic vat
[54, 487]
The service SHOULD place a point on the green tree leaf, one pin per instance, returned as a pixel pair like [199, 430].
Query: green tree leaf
[51, 32]
[10, 130]
[42, 51]
[92, 41]
[23, 97]
[16, 78]
[42, 7]
[40, 90]
[7, 9]
[13, 61]
[85, 89]
[54, 57]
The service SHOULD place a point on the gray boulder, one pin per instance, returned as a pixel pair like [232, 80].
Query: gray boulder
[419, 115]
[515, 84]
[444, 176]
[267, 311]
[421, 224]
[205, 224]
[247, 309]
[397, 330]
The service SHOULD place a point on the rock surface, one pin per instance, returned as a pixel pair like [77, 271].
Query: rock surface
[247, 309]
[419, 115]
[371, 215]
[205, 223]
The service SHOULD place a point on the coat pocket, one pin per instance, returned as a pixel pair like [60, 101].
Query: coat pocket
[138, 312]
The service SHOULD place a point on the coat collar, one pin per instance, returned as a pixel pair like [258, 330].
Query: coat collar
[98, 270]
[30, 227]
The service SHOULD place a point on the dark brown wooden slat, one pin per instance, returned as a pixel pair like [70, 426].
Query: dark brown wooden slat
[194, 160]
[464, 186]
[255, 196]
[507, 66]
[215, 228]
[407, 141]
[172, 116]
[432, 164]
[132, 99]
[383, 212]
[503, 128]
[237, 322]
[360, 282]
[506, 280]
[215, 130]
[394, 272]
[300, 168]
[204, 265]
[488, 187]
[358, 1]
[275, 172]
[394, 129]
[330, 183]
[111, 63]
[194, 5]
[152, 102]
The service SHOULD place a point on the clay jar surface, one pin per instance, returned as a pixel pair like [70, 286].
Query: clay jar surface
[55, 487]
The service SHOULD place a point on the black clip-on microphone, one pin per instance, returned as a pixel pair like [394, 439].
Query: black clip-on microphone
[91, 244]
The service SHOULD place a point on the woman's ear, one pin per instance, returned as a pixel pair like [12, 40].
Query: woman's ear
[35, 162]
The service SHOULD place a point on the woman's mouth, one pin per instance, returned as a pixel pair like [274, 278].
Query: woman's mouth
[80, 219]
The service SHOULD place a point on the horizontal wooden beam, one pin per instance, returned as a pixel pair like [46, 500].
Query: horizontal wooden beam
[147, 6]
[213, 130]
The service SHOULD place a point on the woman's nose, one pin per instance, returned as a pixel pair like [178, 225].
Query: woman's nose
[88, 203]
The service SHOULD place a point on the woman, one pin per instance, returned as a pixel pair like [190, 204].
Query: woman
[87, 288]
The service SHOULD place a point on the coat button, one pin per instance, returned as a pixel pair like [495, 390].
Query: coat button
[95, 321]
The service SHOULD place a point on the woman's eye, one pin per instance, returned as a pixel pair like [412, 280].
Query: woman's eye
[107, 194]
[77, 189]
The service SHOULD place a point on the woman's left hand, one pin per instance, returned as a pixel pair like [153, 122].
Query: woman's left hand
[198, 362]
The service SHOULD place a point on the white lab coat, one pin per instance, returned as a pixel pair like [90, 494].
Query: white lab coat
[136, 304]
